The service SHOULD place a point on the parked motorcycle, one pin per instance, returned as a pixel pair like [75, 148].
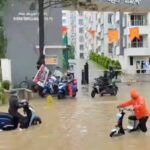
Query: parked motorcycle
[51, 86]
[67, 88]
[7, 121]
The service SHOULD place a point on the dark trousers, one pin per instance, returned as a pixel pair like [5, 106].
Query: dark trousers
[142, 124]
[18, 118]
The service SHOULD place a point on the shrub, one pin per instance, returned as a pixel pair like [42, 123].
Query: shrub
[105, 61]
[6, 84]
[2, 95]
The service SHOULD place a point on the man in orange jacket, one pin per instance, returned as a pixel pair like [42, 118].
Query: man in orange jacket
[140, 109]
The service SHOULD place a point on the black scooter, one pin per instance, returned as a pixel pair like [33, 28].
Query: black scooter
[103, 86]
[111, 89]
[132, 123]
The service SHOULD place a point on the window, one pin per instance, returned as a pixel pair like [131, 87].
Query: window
[137, 42]
[63, 14]
[80, 13]
[81, 47]
[64, 21]
[110, 18]
[131, 61]
[80, 30]
[80, 21]
[110, 47]
[81, 55]
[81, 39]
[138, 20]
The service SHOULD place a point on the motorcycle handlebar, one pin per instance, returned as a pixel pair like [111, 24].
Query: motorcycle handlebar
[125, 109]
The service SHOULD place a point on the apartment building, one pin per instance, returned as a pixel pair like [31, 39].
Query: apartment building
[79, 24]
[134, 56]
[137, 52]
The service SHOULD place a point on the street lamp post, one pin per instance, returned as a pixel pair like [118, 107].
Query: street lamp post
[41, 59]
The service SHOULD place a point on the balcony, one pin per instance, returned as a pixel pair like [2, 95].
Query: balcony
[143, 30]
[141, 51]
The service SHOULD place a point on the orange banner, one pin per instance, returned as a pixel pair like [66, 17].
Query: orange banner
[113, 36]
[134, 33]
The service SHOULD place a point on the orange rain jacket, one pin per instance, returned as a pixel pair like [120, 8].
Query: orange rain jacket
[139, 107]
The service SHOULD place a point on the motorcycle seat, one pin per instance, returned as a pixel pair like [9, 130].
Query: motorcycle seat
[5, 115]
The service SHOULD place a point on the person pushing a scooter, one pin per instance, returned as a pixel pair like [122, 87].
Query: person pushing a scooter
[140, 109]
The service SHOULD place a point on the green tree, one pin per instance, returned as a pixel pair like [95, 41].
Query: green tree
[3, 41]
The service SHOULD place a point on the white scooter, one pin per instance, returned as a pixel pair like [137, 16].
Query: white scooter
[132, 123]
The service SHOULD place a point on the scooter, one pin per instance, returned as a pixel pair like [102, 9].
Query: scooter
[7, 121]
[132, 123]
[51, 86]
[103, 86]
[111, 89]
[67, 88]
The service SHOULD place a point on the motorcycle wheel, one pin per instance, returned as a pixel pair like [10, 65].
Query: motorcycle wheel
[93, 94]
[60, 96]
[41, 93]
[112, 134]
[114, 91]
[102, 94]
[36, 121]
[74, 95]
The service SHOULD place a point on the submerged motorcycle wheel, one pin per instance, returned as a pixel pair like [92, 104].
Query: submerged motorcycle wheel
[114, 92]
[36, 121]
[93, 94]
[60, 96]
[112, 134]
[74, 95]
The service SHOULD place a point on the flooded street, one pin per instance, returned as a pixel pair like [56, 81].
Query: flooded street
[78, 124]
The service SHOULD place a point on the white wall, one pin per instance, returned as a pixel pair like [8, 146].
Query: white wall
[6, 69]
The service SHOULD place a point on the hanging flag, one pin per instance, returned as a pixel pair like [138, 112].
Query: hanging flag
[64, 31]
[65, 39]
[113, 36]
[134, 33]
[92, 32]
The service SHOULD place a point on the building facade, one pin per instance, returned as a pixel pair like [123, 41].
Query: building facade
[22, 32]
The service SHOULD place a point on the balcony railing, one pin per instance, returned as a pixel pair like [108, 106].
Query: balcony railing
[138, 23]
[136, 45]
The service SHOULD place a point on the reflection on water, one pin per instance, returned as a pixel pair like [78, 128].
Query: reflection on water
[80, 124]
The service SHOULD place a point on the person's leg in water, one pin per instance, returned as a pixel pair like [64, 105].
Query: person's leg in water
[142, 124]
[20, 119]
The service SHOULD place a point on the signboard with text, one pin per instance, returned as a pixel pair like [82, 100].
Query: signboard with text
[51, 60]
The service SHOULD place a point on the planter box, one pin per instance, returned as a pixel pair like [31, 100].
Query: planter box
[22, 93]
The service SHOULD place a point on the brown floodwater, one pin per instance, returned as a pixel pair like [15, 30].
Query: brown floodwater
[82, 123]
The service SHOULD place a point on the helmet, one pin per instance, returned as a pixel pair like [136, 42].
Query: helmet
[134, 93]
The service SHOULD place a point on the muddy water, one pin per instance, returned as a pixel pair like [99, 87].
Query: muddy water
[78, 124]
